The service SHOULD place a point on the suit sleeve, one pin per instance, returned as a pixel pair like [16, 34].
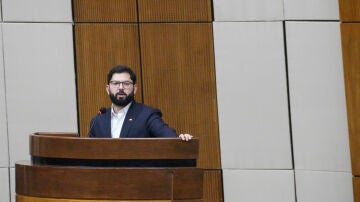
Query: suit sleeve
[157, 127]
[91, 128]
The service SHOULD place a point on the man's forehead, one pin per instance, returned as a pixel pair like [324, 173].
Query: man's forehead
[123, 75]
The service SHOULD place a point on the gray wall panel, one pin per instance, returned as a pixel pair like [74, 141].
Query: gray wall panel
[12, 184]
[315, 186]
[37, 10]
[311, 10]
[4, 185]
[248, 10]
[1, 16]
[40, 82]
[317, 96]
[252, 95]
[4, 155]
[259, 185]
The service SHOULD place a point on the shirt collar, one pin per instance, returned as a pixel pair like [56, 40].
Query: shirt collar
[123, 110]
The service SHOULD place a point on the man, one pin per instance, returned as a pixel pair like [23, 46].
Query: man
[126, 117]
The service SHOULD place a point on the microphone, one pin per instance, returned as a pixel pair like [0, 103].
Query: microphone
[101, 111]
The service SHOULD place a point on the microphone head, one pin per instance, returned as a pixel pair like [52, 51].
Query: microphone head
[102, 110]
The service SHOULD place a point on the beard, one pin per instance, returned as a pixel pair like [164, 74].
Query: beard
[122, 102]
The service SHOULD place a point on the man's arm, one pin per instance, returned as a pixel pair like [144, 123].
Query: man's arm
[158, 128]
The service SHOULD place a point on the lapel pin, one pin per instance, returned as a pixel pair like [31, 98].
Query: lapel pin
[130, 119]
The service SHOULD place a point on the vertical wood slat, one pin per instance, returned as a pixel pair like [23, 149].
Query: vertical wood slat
[99, 47]
[349, 10]
[175, 11]
[212, 189]
[351, 50]
[179, 78]
[105, 10]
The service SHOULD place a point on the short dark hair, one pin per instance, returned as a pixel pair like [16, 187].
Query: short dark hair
[121, 69]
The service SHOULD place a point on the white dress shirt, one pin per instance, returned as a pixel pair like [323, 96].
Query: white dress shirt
[117, 120]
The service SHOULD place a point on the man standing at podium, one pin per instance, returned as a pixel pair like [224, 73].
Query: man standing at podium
[127, 118]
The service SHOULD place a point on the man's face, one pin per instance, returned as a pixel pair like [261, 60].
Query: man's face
[121, 89]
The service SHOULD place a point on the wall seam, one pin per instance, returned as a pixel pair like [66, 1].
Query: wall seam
[289, 107]
[140, 55]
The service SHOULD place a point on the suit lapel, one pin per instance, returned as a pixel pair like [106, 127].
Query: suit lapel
[129, 120]
[107, 124]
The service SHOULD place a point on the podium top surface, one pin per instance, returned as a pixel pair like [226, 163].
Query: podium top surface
[70, 146]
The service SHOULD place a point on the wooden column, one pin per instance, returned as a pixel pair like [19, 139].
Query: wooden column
[350, 37]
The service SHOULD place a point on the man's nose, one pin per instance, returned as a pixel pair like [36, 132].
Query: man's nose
[121, 86]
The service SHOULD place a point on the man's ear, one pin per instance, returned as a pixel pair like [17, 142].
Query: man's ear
[107, 89]
[135, 88]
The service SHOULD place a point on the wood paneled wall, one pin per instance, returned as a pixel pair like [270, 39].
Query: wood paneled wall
[351, 52]
[175, 11]
[212, 189]
[99, 47]
[349, 10]
[105, 10]
[350, 34]
[350, 37]
[356, 183]
[179, 78]
[169, 44]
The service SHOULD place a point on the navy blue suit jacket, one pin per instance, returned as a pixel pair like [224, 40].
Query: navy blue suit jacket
[140, 121]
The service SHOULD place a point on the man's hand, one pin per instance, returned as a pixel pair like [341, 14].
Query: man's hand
[185, 137]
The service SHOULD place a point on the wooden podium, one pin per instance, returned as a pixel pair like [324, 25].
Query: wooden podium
[68, 168]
